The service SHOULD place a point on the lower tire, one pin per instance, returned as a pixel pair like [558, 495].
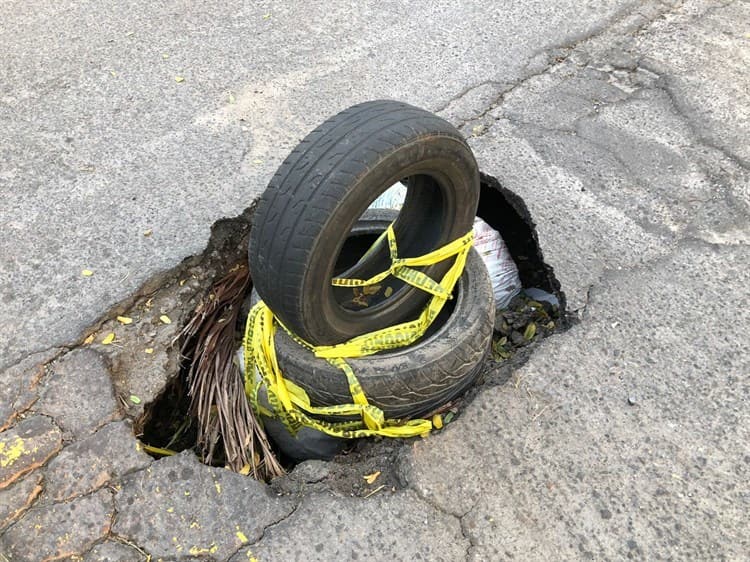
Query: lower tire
[414, 380]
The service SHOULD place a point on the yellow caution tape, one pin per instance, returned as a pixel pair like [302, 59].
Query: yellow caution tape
[291, 404]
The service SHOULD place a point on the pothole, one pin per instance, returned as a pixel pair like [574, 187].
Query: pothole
[150, 376]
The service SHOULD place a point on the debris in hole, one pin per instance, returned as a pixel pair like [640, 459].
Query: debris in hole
[522, 322]
[503, 271]
[216, 389]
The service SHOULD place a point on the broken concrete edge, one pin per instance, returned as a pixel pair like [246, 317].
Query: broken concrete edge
[511, 217]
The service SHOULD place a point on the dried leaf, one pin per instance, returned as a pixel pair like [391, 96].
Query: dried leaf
[108, 339]
[149, 350]
[124, 320]
[437, 421]
[148, 232]
[179, 79]
[370, 289]
[370, 478]
[165, 319]
[134, 399]
[89, 339]
[87, 272]
[530, 332]
[245, 470]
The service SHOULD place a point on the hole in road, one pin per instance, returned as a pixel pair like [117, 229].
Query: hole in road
[166, 422]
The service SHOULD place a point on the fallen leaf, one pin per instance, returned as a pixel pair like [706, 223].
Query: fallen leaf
[108, 339]
[182, 282]
[134, 399]
[87, 272]
[113, 73]
[124, 320]
[257, 161]
[266, 16]
[371, 289]
[231, 98]
[370, 478]
[165, 319]
[149, 350]
[148, 232]
[241, 536]
[530, 332]
[388, 292]
[437, 421]
[179, 79]
[448, 417]
[245, 470]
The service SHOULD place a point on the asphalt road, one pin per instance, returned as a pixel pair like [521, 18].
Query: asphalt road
[100, 143]
[625, 127]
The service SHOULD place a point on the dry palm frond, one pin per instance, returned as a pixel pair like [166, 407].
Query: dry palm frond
[216, 388]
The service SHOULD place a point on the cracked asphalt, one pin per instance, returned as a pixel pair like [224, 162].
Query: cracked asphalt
[624, 126]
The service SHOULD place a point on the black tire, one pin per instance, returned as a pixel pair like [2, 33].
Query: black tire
[411, 381]
[327, 183]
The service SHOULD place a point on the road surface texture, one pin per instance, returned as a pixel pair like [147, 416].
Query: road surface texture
[128, 130]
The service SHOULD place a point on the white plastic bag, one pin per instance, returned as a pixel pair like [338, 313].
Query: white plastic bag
[502, 269]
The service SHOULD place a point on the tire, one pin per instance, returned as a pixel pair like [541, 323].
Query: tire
[411, 381]
[327, 183]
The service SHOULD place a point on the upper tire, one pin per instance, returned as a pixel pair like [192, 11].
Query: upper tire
[324, 186]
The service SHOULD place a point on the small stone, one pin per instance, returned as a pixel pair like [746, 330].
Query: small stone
[80, 377]
[61, 530]
[16, 499]
[97, 460]
[632, 400]
[26, 447]
[517, 338]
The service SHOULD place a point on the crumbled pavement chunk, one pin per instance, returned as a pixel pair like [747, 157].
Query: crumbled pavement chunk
[89, 464]
[386, 526]
[178, 508]
[27, 446]
[18, 386]
[79, 378]
[51, 532]
[18, 497]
